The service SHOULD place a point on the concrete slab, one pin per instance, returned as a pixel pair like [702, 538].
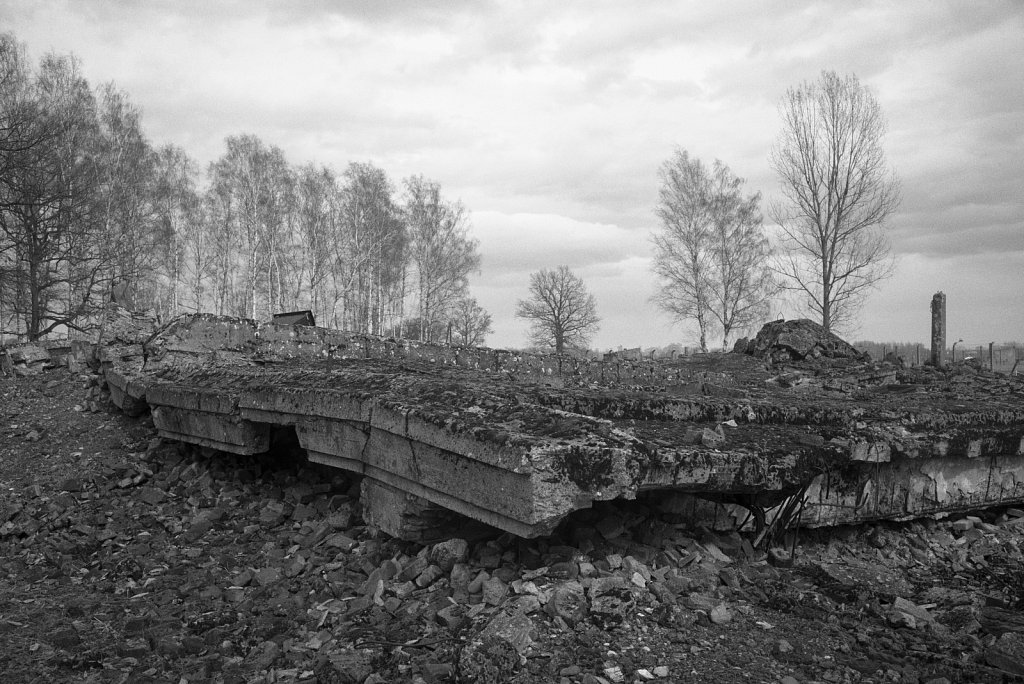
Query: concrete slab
[488, 434]
[127, 392]
[219, 431]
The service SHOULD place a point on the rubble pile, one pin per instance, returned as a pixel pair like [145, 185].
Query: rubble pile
[127, 557]
[797, 340]
[123, 326]
[172, 561]
[24, 359]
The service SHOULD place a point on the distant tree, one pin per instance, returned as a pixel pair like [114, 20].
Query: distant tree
[219, 237]
[17, 136]
[317, 199]
[130, 244]
[560, 310]
[441, 251]
[182, 259]
[470, 323]
[373, 253]
[49, 192]
[252, 182]
[711, 252]
[414, 329]
[838, 192]
[86, 200]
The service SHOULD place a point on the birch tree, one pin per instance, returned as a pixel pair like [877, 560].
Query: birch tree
[183, 248]
[220, 228]
[317, 225]
[744, 284]
[85, 200]
[441, 250]
[682, 259]
[250, 182]
[711, 253]
[838, 193]
[129, 223]
[372, 259]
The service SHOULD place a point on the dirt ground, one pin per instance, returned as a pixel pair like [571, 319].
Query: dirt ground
[127, 559]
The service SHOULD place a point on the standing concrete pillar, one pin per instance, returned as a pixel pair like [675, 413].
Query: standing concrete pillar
[939, 330]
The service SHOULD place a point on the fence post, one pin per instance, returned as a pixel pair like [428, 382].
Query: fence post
[991, 359]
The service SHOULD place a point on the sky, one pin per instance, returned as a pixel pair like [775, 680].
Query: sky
[549, 122]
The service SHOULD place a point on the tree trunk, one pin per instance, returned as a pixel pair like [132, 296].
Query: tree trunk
[34, 304]
[826, 310]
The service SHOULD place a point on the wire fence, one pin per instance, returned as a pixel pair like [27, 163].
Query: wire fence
[1002, 358]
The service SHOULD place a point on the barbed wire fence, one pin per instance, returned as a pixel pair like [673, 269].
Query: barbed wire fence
[1002, 357]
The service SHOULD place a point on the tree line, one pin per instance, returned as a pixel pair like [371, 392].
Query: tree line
[713, 257]
[88, 205]
[716, 265]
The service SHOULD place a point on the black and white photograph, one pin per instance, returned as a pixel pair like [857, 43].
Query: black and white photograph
[584, 342]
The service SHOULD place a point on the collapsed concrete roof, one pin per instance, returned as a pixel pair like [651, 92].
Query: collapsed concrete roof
[519, 441]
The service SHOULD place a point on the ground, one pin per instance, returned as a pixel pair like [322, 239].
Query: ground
[127, 559]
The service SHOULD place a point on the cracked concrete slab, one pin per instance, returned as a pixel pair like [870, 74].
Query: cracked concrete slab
[519, 441]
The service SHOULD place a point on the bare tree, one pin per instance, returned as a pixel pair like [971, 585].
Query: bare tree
[682, 250]
[17, 136]
[471, 323]
[317, 225]
[85, 199]
[49, 193]
[181, 242]
[838, 193]
[560, 310]
[127, 208]
[711, 252]
[255, 181]
[219, 231]
[374, 252]
[441, 251]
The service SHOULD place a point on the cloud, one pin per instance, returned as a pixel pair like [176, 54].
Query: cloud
[514, 245]
[980, 293]
[376, 13]
[550, 120]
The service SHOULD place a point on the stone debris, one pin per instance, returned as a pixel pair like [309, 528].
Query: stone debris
[441, 434]
[496, 652]
[126, 327]
[797, 340]
[245, 569]
[24, 359]
[210, 566]
[1007, 654]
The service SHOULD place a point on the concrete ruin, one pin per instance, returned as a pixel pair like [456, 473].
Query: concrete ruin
[938, 356]
[792, 426]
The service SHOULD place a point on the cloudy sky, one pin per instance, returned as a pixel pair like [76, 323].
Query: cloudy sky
[549, 121]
